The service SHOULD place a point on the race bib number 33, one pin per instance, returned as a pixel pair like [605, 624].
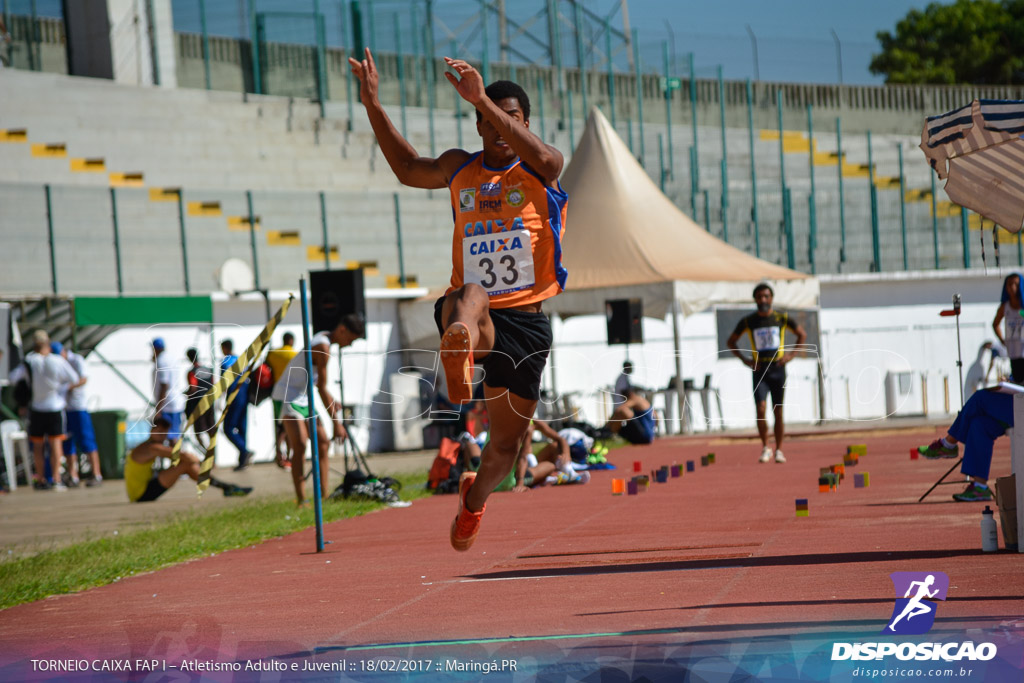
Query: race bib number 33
[501, 262]
[767, 338]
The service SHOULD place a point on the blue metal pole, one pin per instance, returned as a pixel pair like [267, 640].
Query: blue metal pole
[117, 240]
[876, 247]
[903, 209]
[964, 236]
[639, 91]
[485, 67]
[842, 204]
[753, 172]
[49, 230]
[694, 149]
[812, 240]
[401, 73]
[935, 225]
[311, 425]
[206, 42]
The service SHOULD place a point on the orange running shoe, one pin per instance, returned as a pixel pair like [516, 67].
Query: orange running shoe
[466, 524]
[457, 359]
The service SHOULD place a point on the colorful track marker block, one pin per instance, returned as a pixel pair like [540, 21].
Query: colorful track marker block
[618, 486]
[677, 470]
[914, 453]
[866, 479]
[801, 507]
[858, 448]
[637, 466]
[631, 487]
[662, 476]
[690, 466]
[711, 458]
[703, 461]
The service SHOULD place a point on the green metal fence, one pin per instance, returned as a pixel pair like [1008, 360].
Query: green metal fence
[798, 211]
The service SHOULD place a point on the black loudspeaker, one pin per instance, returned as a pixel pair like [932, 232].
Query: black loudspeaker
[624, 316]
[335, 294]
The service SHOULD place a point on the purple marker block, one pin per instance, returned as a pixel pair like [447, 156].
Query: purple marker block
[631, 487]
[677, 470]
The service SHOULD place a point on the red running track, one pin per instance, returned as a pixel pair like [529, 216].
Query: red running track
[714, 558]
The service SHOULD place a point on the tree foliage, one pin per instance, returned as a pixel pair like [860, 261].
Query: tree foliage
[970, 41]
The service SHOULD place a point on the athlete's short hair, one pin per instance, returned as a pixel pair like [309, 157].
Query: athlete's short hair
[192, 354]
[764, 285]
[288, 338]
[161, 422]
[353, 322]
[502, 90]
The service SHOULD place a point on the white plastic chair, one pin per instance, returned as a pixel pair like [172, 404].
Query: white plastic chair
[14, 442]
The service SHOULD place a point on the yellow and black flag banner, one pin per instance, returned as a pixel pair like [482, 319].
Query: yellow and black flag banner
[241, 370]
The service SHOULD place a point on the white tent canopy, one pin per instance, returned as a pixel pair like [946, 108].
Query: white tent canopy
[626, 239]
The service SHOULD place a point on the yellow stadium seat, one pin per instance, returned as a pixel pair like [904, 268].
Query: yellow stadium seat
[284, 238]
[126, 179]
[242, 222]
[51, 149]
[94, 165]
[316, 253]
[917, 195]
[395, 281]
[204, 209]
[14, 135]
[370, 268]
[164, 194]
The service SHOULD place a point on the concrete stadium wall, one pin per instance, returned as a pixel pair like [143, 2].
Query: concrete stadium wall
[216, 145]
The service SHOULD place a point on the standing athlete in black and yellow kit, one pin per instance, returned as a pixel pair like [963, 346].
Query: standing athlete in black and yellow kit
[767, 331]
[509, 213]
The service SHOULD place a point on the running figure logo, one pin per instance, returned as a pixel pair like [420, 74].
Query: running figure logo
[914, 613]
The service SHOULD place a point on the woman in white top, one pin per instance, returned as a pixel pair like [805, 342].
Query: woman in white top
[1012, 333]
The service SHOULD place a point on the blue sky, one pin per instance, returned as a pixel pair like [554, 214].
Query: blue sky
[794, 36]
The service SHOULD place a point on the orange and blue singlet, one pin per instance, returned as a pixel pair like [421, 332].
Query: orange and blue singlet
[508, 232]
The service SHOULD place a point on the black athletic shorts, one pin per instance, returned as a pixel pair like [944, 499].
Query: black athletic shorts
[42, 425]
[153, 490]
[1017, 369]
[522, 342]
[770, 378]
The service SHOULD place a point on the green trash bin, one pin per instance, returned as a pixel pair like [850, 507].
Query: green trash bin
[110, 427]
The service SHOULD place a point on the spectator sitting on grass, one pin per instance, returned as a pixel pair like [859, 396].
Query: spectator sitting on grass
[551, 465]
[144, 485]
[633, 420]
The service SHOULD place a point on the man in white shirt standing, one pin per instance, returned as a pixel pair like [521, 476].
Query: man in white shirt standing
[50, 377]
[291, 391]
[168, 394]
[81, 437]
[622, 384]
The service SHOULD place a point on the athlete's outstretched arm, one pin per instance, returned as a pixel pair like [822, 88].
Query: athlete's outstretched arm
[541, 157]
[410, 168]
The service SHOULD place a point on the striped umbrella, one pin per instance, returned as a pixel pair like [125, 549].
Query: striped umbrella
[978, 150]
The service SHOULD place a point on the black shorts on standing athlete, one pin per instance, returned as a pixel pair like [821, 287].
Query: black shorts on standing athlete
[522, 341]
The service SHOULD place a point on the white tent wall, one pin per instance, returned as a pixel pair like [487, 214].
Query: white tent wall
[368, 365]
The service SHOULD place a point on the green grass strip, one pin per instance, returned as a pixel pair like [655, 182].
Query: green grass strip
[182, 537]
